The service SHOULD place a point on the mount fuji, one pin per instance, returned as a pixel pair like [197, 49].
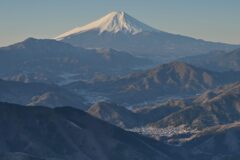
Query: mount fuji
[114, 22]
[120, 31]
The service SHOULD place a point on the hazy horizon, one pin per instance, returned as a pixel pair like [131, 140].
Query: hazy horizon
[212, 21]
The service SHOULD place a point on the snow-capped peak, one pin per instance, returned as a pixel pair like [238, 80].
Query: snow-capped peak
[113, 22]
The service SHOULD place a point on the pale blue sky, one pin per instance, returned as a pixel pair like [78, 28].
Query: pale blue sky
[215, 20]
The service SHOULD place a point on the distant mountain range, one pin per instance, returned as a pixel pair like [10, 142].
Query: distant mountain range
[168, 80]
[33, 94]
[213, 107]
[57, 62]
[121, 31]
[177, 121]
[216, 60]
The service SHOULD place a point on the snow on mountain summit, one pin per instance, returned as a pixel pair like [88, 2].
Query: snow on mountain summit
[113, 22]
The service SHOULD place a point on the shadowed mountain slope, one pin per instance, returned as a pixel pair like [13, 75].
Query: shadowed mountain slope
[70, 134]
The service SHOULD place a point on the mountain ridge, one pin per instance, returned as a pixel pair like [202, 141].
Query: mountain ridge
[33, 94]
[170, 79]
[53, 61]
